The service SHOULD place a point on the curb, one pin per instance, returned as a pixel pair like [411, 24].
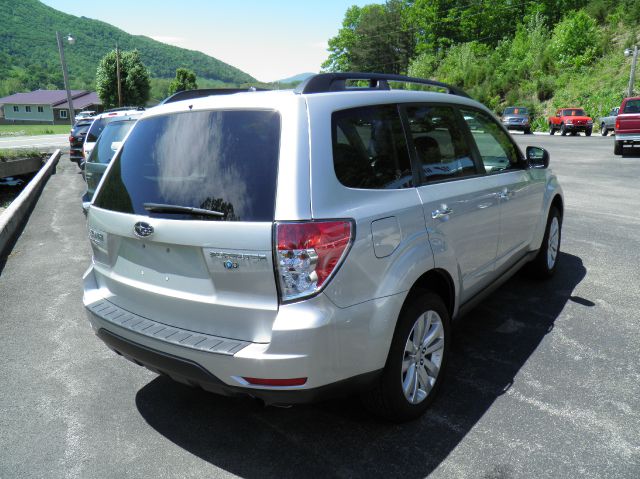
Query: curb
[12, 219]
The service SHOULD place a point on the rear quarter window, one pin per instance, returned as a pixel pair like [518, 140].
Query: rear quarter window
[225, 161]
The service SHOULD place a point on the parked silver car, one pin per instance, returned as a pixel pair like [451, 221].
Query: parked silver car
[608, 123]
[291, 245]
[106, 146]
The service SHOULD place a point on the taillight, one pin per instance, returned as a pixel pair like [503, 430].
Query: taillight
[617, 123]
[308, 253]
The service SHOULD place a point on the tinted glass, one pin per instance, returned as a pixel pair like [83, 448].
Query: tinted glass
[369, 148]
[224, 161]
[574, 112]
[108, 142]
[440, 146]
[496, 148]
[515, 111]
[80, 129]
[97, 126]
[632, 106]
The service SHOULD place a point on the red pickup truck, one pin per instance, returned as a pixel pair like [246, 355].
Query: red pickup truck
[627, 125]
[570, 120]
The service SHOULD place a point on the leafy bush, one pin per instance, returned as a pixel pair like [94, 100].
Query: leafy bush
[575, 40]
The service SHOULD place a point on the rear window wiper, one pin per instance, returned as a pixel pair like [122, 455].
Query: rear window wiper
[160, 208]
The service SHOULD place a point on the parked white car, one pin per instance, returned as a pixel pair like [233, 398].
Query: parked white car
[100, 121]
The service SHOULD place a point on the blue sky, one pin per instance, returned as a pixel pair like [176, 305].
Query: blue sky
[270, 40]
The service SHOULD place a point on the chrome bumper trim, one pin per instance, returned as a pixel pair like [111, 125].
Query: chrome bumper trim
[627, 136]
[107, 311]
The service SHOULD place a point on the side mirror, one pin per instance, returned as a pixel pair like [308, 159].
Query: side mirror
[537, 157]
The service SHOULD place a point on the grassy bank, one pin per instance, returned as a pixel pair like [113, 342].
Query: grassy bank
[8, 155]
[29, 130]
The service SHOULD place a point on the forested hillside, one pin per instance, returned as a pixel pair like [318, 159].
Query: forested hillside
[539, 53]
[29, 54]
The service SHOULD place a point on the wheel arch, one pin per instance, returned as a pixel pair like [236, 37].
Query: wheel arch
[558, 204]
[440, 282]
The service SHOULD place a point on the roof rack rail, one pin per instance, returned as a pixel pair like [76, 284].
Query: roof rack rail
[329, 82]
[124, 108]
[203, 92]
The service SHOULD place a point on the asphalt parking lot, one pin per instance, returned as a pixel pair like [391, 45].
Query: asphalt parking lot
[544, 380]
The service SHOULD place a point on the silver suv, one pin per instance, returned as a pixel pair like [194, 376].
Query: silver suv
[291, 245]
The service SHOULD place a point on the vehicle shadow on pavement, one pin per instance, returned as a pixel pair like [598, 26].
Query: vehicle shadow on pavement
[631, 152]
[338, 438]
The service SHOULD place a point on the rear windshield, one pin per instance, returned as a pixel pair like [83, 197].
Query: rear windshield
[632, 106]
[223, 161]
[78, 129]
[108, 142]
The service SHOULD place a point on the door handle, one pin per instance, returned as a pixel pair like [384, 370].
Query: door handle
[444, 212]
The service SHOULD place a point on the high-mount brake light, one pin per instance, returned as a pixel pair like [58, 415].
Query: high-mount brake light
[308, 253]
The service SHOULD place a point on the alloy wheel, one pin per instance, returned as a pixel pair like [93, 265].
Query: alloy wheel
[423, 354]
[554, 242]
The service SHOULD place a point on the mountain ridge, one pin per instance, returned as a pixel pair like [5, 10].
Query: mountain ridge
[28, 48]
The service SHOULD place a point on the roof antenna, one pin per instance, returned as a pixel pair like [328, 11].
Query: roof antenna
[190, 107]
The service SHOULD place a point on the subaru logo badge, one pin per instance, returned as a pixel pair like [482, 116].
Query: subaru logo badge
[142, 229]
[230, 264]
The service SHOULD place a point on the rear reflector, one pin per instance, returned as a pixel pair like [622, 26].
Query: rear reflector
[276, 382]
[309, 253]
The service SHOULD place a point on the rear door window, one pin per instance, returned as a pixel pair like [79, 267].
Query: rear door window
[220, 161]
[441, 147]
[370, 149]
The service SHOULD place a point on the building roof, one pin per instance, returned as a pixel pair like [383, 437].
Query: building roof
[55, 98]
[80, 102]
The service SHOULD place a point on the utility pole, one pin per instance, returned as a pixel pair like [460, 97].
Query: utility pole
[632, 77]
[118, 76]
[65, 77]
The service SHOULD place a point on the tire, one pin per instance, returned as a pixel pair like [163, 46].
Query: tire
[396, 396]
[546, 261]
[551, 129]
[588, 132]
[617, 147]
[527, 131]
[563, 131]
[603, 130]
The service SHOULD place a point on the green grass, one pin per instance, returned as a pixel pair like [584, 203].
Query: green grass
[28, 130]
[13, 154]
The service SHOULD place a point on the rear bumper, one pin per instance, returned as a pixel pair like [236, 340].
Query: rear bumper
[192, 373]
[628, 137]
[337, 349]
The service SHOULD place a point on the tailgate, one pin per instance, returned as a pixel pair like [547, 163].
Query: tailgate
[182, 223]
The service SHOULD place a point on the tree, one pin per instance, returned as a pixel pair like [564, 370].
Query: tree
[374, 38]
[185, 80]
[134, 79]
